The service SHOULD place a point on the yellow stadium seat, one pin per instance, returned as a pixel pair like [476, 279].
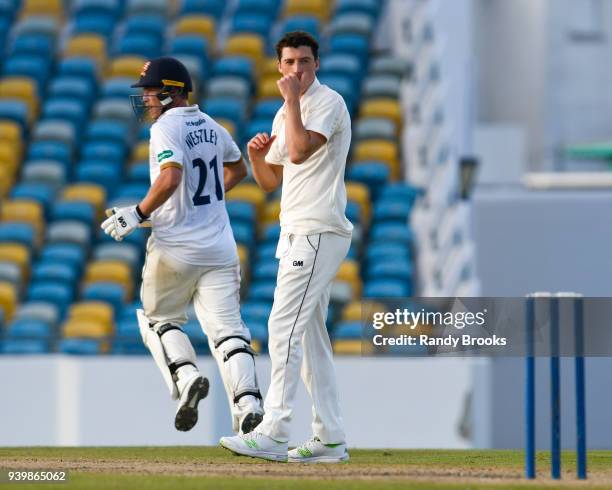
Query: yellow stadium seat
[24, 211]
[10, 131]
[6, 181]
[229, 125]
[18, 254]
[269, 67]
[272, 212]
[256, 345]
[94, 310]
[349, 272]
[383, 150]
[249, 45]
[141, 152]
[201, 25]
[243, 254]
[9, 159]
[8, 299]
[249, 192]
[382, 107]
[267, 87]
[52, 8]
[85, 328]
[126, 66]
[350, 347]
[22, 88]
[91, 193]
[110, 271]
[316, 8]
[352, 312]
[87, 45]
[358, 192]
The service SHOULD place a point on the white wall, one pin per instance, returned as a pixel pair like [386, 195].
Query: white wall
[58, 400]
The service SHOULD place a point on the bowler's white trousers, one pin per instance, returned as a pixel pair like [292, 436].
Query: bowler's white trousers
[298, 336]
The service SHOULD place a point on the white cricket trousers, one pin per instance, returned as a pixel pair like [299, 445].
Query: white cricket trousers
[298, 336]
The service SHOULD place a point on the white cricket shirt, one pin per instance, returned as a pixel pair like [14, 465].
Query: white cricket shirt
[192, 225]
[313, 198]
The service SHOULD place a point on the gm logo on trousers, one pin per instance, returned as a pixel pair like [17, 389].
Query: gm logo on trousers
[298, 263]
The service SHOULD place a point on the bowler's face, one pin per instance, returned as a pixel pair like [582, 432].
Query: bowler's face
[299, 61]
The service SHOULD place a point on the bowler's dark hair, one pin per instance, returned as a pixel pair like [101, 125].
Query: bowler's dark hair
[296, 39]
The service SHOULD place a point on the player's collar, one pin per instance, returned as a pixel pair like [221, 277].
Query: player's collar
[192, 109]
[311, 90]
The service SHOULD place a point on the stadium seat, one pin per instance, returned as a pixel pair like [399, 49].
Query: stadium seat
[359, 193]
[386, 252]
[99, 24]
[35, 67]
[265, 270]
[20, 233]
[226, 108]
[190, 45]
[384, 288]
[241, 211]
[100, 173]
[382, 107]
[306, 23]
[38, 24]
[375, 128]
[210, 7]
[249, 192]
[348, 330]
[350, 43]
[46, 172]
[123, 252]
[60, 273]
[349, 272]
[11, 272]
[21, 88]
[382, 86]
[44, 312]
[370, 173]
[401, 191]
[98, 311]
[256, 311]
[267, 108]
[262, 291]
[152, 7]
[245, 44]
[120, 109]
[369, 7]
[51, 8]
[381, 150]
[243, 233]
[347, 65]
[78, 87]
[69, 232]
[24, 211]
[267, 88]
[9, 297]
[111, 293]
[81, 211]
[70, 254]
[141, 152]
[145, 45]
[109, 130]
[399, 270]
[255, 23]
[15, 110]
[349, 347]
[271, 212]
[59, 295]
[18, 254]
[239, 66]
[128, 66]
[228, 86]
[392, 233]
[37, 44]
[109, 271]
[83, 347]
[139, 172]
[10, 132]
[25, 346]
[316, 8]
[91, 193]
[352, 23]
[390, 66]
[200, 25]
[78, 66]
[55, 130]
[91, 46]
[392, 210]
[64, 108]
[39, 192]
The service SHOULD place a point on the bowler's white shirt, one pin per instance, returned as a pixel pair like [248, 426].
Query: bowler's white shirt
[313, 196]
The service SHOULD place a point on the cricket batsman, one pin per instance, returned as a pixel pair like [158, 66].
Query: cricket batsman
[191, 254]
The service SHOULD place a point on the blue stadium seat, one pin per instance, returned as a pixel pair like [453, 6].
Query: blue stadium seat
[385, 288]
[353, 23]
[122, 251]
[348, 330]
[369, 7]
[266, 250]
[81, 347]
[305, 23]
[241, 211]
[247, 22]
[244, 233]
[225, 108]
[375, 128]
[99, 7]
[144, 132]
[39, 192]
[345, 86]
[341, 65]
[208, 7]
[32, 45]
[392, 232]
[51, 150]
[353, 212]
[256, 126]
[373, 174]
[267, 108]
[71, 110]
[255, 311]
[128, 340]
[386, 252]
[392, 210]
[197, 336]
[74, 211]
[103, 150]
[401, 191]
[96, 172]
[228, 86]
[24, 346]
[100, 23]
[54, 272]
[107, 131]
[262, 291]
[266, 270]
[268, 7]
[58, 294]
[146, 24]
[398, 269]
[79, 87]
[146, 45]
[68, 231]
[133, 191]
[70, 254]
[349, 43]
[139, 173]
[33, 66]
[239, 66]
[15, 110]
[191, 45]
[78, 66]
[17, 233]
[259, 332]
[272, 233]
[29, 328]
[108, 292]
[35, 24]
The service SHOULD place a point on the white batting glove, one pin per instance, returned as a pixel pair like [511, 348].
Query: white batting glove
[121, 222]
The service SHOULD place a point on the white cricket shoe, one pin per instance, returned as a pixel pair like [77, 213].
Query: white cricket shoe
[256, 445]
[187, 412]
[314, 451]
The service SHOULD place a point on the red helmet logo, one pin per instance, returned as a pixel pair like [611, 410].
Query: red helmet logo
[145, 68]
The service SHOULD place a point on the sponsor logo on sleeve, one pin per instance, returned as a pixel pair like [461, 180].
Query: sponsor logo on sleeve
[164, 155]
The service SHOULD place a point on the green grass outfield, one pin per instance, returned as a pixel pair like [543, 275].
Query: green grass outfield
[180, 468]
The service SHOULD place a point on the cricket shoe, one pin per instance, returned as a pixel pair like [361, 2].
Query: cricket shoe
[250, 422]
[314, 451]
[256, 445]
[187, 413]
